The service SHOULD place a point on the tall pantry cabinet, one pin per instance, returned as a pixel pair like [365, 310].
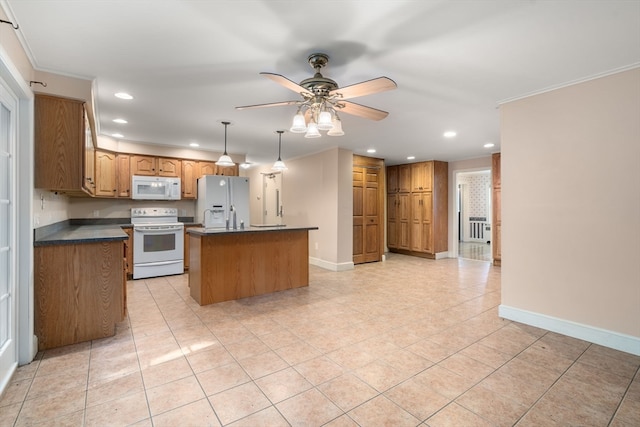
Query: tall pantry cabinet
[417, 208]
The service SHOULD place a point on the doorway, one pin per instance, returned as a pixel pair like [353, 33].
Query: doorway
[473, 209]
[8, 215]
[272, 209]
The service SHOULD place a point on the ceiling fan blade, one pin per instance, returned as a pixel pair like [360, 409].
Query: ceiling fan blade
[272, 104]
[361, 110]
[365, 88]
[289, 84]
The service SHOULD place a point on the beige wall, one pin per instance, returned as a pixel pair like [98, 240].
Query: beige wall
[316, 191]
[571, 206]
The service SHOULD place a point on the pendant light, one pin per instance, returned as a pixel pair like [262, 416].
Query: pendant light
[225, 160]
[279, 164]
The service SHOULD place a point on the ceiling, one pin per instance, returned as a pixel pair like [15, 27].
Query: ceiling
[189, 63]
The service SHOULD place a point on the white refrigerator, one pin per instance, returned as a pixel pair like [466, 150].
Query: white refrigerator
[221, 199]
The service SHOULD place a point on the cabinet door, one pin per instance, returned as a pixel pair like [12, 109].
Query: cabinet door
[58, 143]
[123, 175]
[392, 221]
[421, 174]
[143, 165]
[129, 250]
[404, 221]
[392, 179]
[228, 170]
[105, 174]
[404, 178]
[89, 166]
[189, 176]
[206, 168]
[169, 167]
[416, 222]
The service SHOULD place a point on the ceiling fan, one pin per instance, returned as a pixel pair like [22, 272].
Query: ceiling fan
[323, 99]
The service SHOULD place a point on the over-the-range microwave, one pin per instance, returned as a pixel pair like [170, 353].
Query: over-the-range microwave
[155, 188]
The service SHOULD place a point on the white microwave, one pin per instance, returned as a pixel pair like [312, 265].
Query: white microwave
[155, 188]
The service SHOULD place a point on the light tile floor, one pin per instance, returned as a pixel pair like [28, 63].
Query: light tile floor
[405, 342]
[474, 250]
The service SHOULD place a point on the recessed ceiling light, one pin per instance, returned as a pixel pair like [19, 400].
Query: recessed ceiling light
[450, 134]
[489, 145]
[245, 165]
[411, 157]
[117, 135]
[121, 121]
[194, 144]
[371, 150]
[123, 95]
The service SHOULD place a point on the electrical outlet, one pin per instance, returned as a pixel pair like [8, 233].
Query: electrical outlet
[96, 213]
[36, 220]
[316, 246]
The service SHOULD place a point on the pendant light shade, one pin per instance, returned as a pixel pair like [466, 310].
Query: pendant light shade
[225, 160]
[279, 164]
[336, 130]
[298, 125]
[312, 130]
[324, 121]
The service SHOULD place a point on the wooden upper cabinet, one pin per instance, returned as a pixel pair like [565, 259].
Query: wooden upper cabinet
[392, 179]
[228, 170]
[169, 167]
[106, 174]
[189, 179]
[89, 167]
[206, 168]
[421, 176]
[143, 165]
[61, 133]
[123, 175]
[155, 166]
[404, 178]
[399, 179]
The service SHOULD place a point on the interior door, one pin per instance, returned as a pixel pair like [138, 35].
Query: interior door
[272, 198]
[8, 287]
[367, 214]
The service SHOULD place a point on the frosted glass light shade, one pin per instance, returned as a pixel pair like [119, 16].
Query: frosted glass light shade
[298, 125]
[279, 166]
[324, 121]
[312, 131]
[336, 130]
[225, 160]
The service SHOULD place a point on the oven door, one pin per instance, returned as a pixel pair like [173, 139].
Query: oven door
[158, 243]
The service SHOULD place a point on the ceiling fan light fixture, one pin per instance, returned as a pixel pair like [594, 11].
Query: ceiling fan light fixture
[225, 160]
[336, 130]
[312, 130]
[324, 121]
[299, 125]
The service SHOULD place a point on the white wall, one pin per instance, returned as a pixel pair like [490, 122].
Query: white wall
[571, 210]
[317, 191]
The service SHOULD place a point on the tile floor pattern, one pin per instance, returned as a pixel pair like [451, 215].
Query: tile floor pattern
[474, 250]
[405, 342]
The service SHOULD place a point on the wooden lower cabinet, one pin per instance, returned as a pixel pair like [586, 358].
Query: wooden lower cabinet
[78, 290]
[398, 227]
[186, 246]
[129, 251]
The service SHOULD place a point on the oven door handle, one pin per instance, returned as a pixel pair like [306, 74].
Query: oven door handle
[155, 230]
[158, 263]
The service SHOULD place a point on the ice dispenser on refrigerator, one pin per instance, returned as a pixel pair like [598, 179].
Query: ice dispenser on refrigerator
[221, 199]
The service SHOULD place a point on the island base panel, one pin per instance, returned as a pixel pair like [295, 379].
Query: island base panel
[225, 267]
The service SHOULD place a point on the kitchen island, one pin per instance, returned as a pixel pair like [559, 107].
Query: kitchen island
[232, 264]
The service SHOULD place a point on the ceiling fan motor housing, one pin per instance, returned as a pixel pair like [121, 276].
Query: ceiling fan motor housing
[319, 85]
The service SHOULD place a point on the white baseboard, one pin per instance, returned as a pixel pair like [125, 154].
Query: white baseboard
[344, 266]
[615, 340]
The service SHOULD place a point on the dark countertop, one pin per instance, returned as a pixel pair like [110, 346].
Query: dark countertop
[252, 229]
[74, 234]
[88, 230]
